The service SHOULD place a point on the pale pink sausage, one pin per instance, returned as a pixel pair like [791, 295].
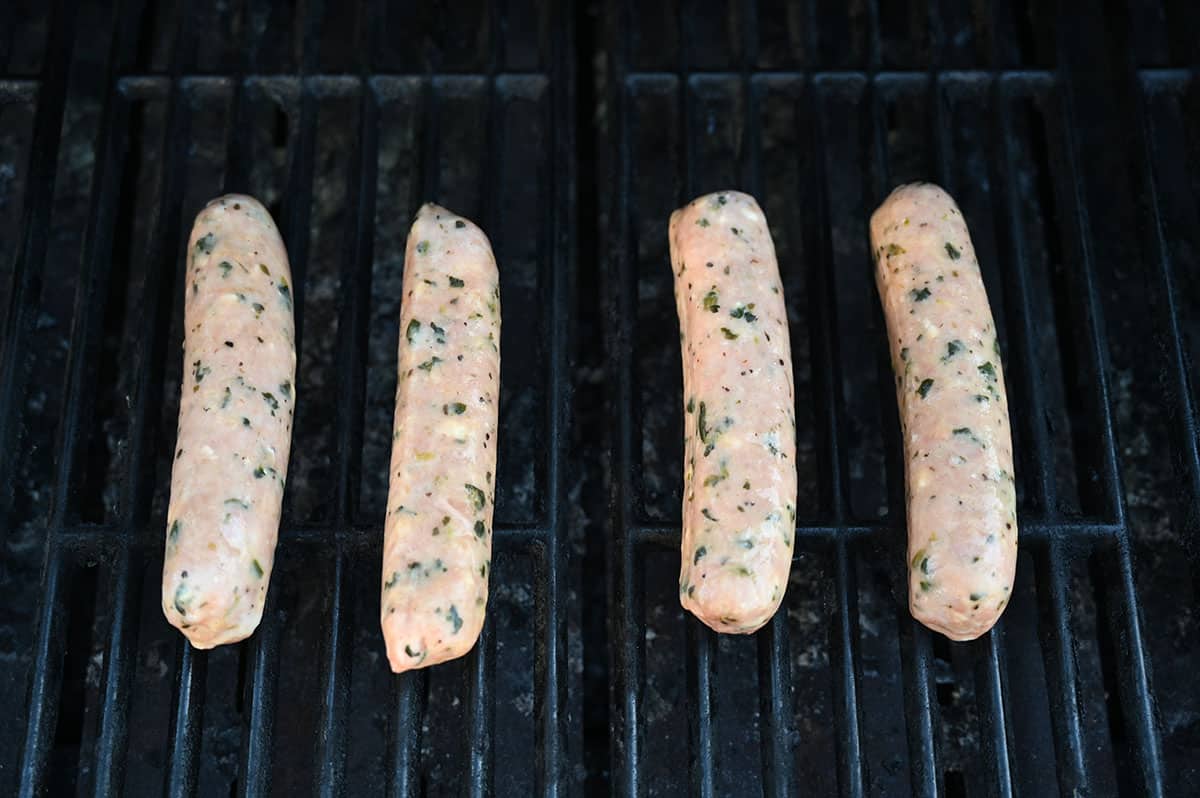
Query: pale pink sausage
[739, 480]
[438, 534]
[962, 524]
[235, 423]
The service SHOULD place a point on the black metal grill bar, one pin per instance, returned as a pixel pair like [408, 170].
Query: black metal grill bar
[47, 676]
[989, 684]
[827, 416]
[479, 671]
[550, 571]
[119, 661]
[1058, 649]
[916, 652]
[187, 719]
[404, 735]
[626, 655]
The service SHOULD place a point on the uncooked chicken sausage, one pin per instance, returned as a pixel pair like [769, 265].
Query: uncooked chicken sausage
[739, 482]
[438, 532]
[235, 424]
[962, 525]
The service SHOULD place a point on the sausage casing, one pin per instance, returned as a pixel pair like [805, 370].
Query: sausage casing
[739, 502]
[235, 424]
[438, 533]
[962, 525]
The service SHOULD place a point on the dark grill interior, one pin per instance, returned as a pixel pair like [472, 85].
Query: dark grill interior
[1070, 137]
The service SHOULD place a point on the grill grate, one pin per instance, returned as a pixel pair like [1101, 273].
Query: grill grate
[117, 702]
[1078, 172]
[704, 102]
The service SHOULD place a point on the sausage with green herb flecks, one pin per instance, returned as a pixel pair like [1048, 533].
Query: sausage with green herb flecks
[739, 503]
[438, 533]
[962, 524]
[235, 423]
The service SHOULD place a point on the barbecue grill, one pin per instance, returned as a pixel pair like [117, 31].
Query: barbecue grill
[1070, 137]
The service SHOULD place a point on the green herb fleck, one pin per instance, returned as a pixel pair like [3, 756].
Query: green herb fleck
[904, 353]
[919, 296]
[923, 390]
[480, 530]
[258, 309]
[700, 552]
[921, 560]
[262, 267]
[952, 349]
[226, 267]
[454, 618]
[388, 585]
[691, 405]
[743, 312]
[714, 479]
[981, 398]
[926, 585]
[181, 601]
[257, 568]
[285, 388]
[710, 301]
[952, 252]
[477, 497]
[454, 409]
[285, 292]
[206, 243]
[260, 472]
[894, 249]
[705, 512]
[241, 504]
[423, 247]
[729, 334]
[702, 423]
[455, 282]
[988, 370]
[200, 371]
[702, 221]
[414, 327]
[438, 332]
[226, 398]
[429, 364]
[173, 534]
[975, 596]
[270, 399]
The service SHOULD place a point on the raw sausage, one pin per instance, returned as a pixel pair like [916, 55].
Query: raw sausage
[962, 524]
[438, 532]
[739, 480]
[235, 423]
